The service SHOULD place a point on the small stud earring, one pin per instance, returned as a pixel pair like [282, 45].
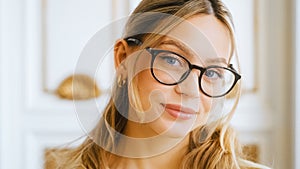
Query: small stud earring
[121, 81]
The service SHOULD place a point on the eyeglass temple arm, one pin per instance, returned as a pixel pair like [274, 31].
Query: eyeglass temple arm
[231, 67]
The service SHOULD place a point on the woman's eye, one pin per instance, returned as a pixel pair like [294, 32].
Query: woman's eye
[170, 60]
[212, 74]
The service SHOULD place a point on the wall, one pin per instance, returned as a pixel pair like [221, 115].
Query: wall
[296, 85]
[41, 40]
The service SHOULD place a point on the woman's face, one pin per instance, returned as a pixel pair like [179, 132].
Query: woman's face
[175, 110]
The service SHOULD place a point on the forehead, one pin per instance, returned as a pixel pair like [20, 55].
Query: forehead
[204, 35]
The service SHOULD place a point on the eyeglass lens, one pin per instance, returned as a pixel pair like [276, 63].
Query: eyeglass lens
[169, 68]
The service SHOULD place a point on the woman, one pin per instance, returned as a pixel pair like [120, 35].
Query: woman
[174, 75]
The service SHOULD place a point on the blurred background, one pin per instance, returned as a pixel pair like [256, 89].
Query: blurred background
[41, 41]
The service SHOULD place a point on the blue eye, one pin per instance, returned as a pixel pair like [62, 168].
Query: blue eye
[213, 74]
[170, 60]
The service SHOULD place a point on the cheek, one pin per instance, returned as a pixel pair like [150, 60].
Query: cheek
[140, 79]
[204, 111]
[149, 93]
[206, 103]
[149, 89]
[146, 101]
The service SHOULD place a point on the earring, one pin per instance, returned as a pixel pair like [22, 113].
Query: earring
[121, 81]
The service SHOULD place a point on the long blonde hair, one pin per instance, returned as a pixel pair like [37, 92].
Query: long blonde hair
[219, 149]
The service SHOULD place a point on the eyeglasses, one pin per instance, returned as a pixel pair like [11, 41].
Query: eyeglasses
[170, 68]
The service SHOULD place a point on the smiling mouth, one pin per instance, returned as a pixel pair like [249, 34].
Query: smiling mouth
[179, 112]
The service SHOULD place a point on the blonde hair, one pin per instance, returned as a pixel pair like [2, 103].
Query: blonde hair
[212, 146]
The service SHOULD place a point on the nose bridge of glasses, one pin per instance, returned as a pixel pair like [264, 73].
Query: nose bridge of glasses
[193, 73]
[199, 69]
[190, 83]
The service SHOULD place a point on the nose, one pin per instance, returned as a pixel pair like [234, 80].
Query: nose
[190, 86]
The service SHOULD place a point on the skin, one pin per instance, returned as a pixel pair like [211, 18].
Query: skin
[187, 94]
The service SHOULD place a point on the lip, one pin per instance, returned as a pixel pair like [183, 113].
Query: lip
[179, 112]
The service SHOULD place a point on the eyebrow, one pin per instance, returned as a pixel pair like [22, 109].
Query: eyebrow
[179, 45]
[217, 60]
[185, 49]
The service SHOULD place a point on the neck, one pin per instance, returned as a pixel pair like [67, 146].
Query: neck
[167, 160]
[147, 152]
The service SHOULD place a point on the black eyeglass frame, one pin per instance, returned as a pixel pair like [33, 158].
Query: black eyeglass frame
[155, 52]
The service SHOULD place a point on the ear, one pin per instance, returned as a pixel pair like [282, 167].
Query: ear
[121, 51]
